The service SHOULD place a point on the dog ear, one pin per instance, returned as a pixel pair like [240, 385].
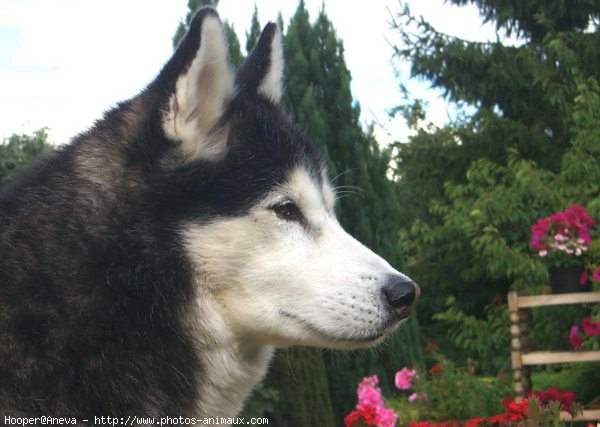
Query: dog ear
[200, 83]
[262, 72]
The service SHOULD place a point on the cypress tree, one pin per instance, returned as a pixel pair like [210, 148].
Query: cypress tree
[254, 33]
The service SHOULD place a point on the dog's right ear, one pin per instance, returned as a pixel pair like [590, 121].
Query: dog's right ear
[262, 72]
[200, 84]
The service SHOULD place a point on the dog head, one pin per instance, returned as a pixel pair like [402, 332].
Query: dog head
[256, 207]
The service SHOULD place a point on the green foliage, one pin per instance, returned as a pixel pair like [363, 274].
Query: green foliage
[304, 399]
[485, 343]
[581, 378]
[546, 416]
[261, 403]
[530, 148]
[587, 386]
[19, 151]
[550, 326]
[532, 19]
[452, 393]
[254, 33]
[490, 215]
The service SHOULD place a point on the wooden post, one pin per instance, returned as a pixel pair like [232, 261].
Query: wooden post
[516, 345]
[525, 348]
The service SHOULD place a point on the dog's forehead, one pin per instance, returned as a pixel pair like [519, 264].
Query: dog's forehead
[265, 133]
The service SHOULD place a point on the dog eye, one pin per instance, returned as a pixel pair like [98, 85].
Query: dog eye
[287, 211]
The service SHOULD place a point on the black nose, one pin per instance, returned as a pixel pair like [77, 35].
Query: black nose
[400, 291]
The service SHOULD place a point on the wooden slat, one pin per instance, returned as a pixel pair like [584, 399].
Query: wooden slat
[549, 357]
[558, 299]
[588, 415]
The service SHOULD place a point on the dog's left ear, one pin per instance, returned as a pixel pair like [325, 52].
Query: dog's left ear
[262, 72]
[200, 84]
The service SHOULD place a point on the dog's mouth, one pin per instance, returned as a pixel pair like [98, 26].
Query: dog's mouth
[402, 313]
[360, 339]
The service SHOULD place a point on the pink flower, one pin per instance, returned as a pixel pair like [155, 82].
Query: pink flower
[567, 231]
[371, 381]
[404, 378]
[590, 327]
[596, 275]
[575, 338]
[369, 394]
[585, 236]
[387, 417]
[370, 409]
[583, 278]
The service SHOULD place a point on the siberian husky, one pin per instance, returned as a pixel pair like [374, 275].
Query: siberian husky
[151, 266]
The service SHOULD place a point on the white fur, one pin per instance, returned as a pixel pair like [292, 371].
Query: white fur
[201, 95]
[231, 365]
[263, 281]
[271, 85]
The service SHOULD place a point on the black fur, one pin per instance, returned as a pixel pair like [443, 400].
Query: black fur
[94, 284]
[255, 68]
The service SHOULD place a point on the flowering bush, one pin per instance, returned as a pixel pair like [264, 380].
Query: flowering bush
[590, 329]
[592, 263]
[564, 238]
[444, 391]
[539, 408]
[447, 396]
[563, 235]
[370, 410]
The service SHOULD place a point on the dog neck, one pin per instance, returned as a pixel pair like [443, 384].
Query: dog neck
[232, 365]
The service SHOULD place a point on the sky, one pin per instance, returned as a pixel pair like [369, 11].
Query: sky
[64, 62]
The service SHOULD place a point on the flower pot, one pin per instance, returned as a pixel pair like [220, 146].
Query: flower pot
[565, 279]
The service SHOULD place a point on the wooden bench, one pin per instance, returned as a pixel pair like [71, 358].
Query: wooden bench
[522, 358]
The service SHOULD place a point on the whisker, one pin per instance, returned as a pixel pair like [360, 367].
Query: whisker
[341, 174]
[342, 195]
[349, 187]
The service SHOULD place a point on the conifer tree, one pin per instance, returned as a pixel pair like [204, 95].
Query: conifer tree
[255, 29]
